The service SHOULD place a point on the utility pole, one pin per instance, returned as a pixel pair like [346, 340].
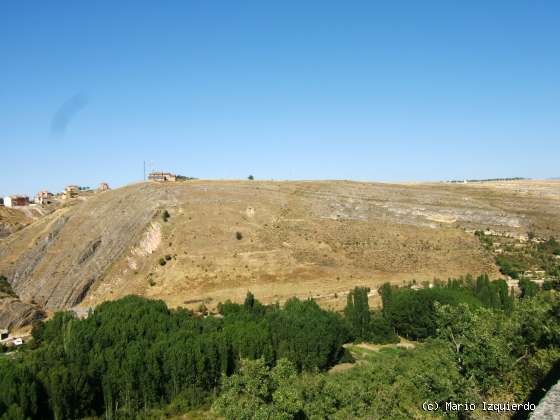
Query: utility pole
[144, 170]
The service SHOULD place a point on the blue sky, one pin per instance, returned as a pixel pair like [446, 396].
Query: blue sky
[387, 91]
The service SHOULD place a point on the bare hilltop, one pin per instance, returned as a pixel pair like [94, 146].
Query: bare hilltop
[200, 241]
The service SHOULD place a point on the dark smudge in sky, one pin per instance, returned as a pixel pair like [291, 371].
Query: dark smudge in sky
[66, 113]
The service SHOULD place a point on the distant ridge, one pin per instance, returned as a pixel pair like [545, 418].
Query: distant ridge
[488, 180]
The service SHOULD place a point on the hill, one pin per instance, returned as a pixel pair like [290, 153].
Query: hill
[12, 220]
[277, 239]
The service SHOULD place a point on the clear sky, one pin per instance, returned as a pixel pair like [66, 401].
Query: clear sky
[363, 90]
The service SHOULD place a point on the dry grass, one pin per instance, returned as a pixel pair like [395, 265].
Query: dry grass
[305, 239]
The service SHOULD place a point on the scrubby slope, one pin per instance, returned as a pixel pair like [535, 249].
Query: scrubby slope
[57, 259]
[12, 220]
[296, 238]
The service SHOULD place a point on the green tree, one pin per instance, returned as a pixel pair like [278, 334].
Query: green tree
[258, 392]
[357, 313]
[528, 288]
[479, 339]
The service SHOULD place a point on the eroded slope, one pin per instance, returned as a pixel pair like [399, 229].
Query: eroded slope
[295, 238]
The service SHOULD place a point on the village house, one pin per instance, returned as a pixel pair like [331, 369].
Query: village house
[103, 187]
[534, 274]
[44, 197]
[70, 191]
[16, 201]
[162, 176]
[72, 188]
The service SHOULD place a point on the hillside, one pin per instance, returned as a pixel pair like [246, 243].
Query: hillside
[12, 220]
[295, 238]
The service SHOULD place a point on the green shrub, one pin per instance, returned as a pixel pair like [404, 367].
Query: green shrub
[6, 287]
[528, 288]
[511, 265]
[347, 357]
[381, 330]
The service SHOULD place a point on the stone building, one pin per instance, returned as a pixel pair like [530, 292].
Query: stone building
[162, 176]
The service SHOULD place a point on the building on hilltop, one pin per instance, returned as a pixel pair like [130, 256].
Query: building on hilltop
[43, 197]
[103, 186]
[162, 176]
[16, 201]
[70, 191]
[72, 188]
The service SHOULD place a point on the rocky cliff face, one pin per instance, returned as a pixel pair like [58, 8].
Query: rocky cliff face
[297, 238]
[549, 406]
[55, 261]
[15, 314]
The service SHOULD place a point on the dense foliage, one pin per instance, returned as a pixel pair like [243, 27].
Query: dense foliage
[413, 314]
[365, 325]
[134, 357]
[390, 385]
[475, 354]
[133, 354]
[517, 259]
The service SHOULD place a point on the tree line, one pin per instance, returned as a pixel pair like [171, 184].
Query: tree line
[478, 343]
[132, 356]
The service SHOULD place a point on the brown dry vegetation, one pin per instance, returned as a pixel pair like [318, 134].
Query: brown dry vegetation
[316, 239]
[12, 220]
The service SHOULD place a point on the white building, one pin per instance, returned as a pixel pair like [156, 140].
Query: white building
[16, 200]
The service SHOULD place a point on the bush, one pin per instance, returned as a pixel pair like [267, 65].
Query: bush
[552, 285]
[511, 266]
[165, 216]
[238, 236]
[381, 331]
[528, 288]
[162, 261]
[6, 287]
[250, 177]
[347, 357]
